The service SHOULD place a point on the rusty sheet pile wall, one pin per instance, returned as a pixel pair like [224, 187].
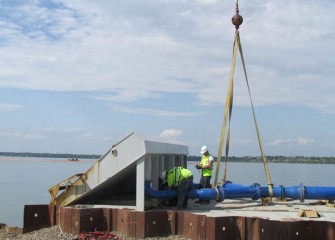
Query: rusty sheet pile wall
[139, 224]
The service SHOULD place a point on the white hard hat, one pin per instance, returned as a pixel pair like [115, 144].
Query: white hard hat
[163, 177]
[204, 149]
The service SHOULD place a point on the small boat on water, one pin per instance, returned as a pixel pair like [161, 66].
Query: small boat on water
[73, 159]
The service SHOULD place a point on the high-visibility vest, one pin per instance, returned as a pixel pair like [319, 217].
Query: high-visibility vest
[176, 175]
[204, 161]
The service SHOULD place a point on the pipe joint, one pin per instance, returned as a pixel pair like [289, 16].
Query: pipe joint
[257, 191]
[302, 192]
[221, 194]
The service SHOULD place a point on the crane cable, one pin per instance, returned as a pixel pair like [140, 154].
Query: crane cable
[228, 112]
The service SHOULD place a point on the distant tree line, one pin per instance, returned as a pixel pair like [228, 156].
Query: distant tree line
[50, 155]
[257, 159]
[274, 159]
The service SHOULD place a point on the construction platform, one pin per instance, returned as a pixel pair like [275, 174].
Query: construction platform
[232, 219]
[114, 195]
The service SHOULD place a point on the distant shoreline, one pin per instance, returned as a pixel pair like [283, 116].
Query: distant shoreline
[275, 159]
[250, 159]
[50, 155]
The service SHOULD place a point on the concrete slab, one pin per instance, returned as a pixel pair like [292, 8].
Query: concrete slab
[279, 211]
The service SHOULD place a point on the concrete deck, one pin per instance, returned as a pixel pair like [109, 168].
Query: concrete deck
[277, 210]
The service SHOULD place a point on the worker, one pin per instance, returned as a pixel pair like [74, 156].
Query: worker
[181, 179]
[206, 166]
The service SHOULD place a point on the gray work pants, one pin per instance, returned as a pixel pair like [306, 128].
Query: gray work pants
[183, 188]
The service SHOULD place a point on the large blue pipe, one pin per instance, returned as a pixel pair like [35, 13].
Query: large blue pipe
[254, 191]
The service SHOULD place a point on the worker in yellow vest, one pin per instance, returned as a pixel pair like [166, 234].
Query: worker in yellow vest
[181, 179]
[206, 166]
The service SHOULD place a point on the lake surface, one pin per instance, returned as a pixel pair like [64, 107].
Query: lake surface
[25, 181]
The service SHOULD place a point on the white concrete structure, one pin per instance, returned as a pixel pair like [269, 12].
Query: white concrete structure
[119, 176]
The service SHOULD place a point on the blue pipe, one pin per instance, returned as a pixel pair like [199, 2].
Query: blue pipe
[254, 191]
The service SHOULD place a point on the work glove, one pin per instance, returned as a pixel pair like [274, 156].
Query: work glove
[197, 166]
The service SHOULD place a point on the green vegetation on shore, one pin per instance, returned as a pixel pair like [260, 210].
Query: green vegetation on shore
[49, 155]
[275, 159]
[270, 159]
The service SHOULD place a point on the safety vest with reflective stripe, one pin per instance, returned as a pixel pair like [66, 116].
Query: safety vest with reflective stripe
[176, 175]
[204, 161]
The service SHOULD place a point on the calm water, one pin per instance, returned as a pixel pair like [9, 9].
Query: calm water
[25, 181]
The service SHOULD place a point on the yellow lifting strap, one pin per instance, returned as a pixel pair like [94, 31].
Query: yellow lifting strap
[228, 110]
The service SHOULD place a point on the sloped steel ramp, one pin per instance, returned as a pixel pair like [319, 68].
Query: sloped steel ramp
[118, 177]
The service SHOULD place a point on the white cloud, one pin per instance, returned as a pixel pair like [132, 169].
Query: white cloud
[242, 142]
[281, 141]
[299, 141]
[305, 141]
[139, 50]
[168, 133]
[96, 136]
[52, 130]
[9, 107]
[135, 52]
[154, 112]
[128, 95]
[207, 1]
[32, 136]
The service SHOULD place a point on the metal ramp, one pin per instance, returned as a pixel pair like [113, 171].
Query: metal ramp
[118, 177]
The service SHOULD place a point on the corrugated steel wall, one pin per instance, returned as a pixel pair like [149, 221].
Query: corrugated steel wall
[138, 224]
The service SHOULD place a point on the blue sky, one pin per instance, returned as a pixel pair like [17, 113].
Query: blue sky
[78, 76]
